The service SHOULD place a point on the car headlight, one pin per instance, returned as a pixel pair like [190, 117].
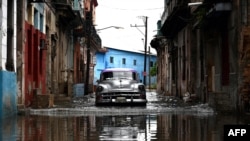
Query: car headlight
[141, 87]
[99, 89]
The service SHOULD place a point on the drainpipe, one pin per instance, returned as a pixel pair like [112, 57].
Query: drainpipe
[10, 32]
[1, 35]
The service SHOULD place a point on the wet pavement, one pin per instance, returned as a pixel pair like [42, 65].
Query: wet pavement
[157, 104]
[163, 118]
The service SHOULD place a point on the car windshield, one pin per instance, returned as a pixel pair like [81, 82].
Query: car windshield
[119, 75]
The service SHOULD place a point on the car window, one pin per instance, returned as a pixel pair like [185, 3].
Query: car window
[107, 75]
[119, 75]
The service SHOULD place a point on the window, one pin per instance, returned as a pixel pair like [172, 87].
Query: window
[111, 59]
[151, 63]
[41, 23]
[123, 61]
[38, 20]
[225, 70]
[36, 16]
[244, 11]
[183, 63]
[134, 63]
[29, 52]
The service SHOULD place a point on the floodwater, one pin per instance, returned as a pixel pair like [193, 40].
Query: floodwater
[163, 119]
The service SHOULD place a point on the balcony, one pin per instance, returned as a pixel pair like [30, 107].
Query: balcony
[64, 9]
[215, 14]
[77, 5]
[177, 15]
[78, 8]
[174, 18]
[219, 9]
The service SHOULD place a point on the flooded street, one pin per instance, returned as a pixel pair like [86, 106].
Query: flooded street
[164, 118]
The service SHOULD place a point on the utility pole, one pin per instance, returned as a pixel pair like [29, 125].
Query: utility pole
[145, 48]
[149, 63]
[145, 19]
[89, 29]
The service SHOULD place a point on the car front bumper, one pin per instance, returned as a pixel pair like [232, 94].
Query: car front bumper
[121, 98]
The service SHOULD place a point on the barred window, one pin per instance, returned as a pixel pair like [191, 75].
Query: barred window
[111, 59]
[134, 63]
[123, 61]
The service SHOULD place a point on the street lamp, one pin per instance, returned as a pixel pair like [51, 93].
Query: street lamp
[116, 27]
[195, 3]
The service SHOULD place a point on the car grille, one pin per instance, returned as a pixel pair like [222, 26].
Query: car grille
[134, 95]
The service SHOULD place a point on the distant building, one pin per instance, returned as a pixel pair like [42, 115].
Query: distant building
[110, 57]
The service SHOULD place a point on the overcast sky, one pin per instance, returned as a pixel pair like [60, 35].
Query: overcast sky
[124, 13]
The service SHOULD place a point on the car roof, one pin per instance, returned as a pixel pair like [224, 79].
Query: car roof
[118, 69]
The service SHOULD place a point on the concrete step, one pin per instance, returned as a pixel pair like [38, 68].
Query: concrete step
[61, 100]
[61, 97]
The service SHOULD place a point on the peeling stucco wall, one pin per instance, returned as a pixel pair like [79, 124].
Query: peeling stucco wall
[8, 92]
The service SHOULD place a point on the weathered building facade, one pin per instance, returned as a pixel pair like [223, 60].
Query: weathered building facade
[51, 48]
[93, 44]
[8, 84]
[207, 46]
[243, 37]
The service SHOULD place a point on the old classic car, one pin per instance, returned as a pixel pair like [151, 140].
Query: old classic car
[120, 86]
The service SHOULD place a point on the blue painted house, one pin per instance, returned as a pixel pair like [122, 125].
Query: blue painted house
[110, 57]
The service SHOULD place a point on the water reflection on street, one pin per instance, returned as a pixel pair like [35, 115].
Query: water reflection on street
[125, 125]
